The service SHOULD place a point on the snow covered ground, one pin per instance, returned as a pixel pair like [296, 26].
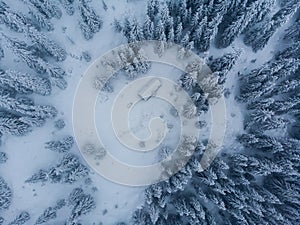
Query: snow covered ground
[115, 202]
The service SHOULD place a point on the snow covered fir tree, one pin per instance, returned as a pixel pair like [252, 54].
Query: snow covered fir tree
[252, 48]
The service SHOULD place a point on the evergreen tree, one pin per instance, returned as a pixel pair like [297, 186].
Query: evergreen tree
[152, 9]
[13, 125]
[286, 86]
[49, 46]
[61, 146]
[136, 32]
[245, 16]
[224, 64]
[140, 217]
[293, 31]
[25, 83]
[291, 52]
[81, 204]
[210, 32]
[68, 5]
[50, 213]
[199, 31]
[20, 107]
[46, 7]
[259, 82]
[30, 56]
[13, 20]
[148, 29]
[259, 36]
[5, 195]
[40, 21]
[261, 120]
[90, 23]
[68, 170]
[22, 218]
[178, 32]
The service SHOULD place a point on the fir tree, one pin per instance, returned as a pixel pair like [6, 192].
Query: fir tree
[50, 213]
[81, 204]
[224, 64]
[68, 5]
[22, 218]
[30, 56]
[90, 23]
[46, 7]
[61, 146]
[25, 83]
[25, 109]
[13, 20]
[245, 16]
[40, 21]
[266, 28]
[148, 29]
[49, 46]
[5, 195]
[68, 170]
[14, 125]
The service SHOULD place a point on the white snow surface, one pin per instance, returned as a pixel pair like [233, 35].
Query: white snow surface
[115, 203]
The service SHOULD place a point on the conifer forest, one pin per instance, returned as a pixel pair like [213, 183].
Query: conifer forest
[244, 54]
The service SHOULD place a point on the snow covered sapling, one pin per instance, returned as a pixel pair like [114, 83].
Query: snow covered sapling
[22, 218]
[61, 145]
[59, 124]
[3, 157]
[5, 195]
[86, 56]
[50, 213]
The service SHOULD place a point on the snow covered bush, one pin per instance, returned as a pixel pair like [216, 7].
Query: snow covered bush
[3, 157]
